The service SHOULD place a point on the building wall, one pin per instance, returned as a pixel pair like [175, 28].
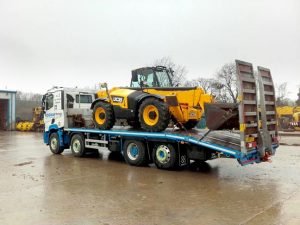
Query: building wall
[10, 115]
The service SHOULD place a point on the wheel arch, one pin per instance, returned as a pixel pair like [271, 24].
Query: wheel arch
[98, 100]
[143, 97]
[52, 129]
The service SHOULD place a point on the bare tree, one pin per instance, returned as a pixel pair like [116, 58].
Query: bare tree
[281, 95]
[179, 74]
[204, 83]
[25, 102]
[227, 82]
[209, 85]
[298, 100]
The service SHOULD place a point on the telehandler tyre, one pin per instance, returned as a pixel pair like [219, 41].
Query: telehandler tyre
[103, 116]
[154, 115]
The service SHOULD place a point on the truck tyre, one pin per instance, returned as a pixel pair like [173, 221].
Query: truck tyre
[77, 145]
[154, 115]
[103, 115]
[165, 156]
[54, 144]
[135, 153]
[190, 124]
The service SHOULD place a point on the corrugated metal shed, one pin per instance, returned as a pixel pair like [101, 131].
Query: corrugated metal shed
[7, 110]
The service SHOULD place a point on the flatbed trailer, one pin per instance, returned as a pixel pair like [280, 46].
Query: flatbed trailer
[173, 145]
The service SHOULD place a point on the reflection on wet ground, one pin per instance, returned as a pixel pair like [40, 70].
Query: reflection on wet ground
[40, 188]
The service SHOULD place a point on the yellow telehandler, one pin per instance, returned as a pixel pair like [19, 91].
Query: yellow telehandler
[150, 102]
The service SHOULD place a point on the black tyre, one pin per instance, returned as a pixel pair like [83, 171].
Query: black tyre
[77, 145]
[54, 144]
[103, 116]
[154, 115]
[135, 153]
[165, 156]
[190, 124]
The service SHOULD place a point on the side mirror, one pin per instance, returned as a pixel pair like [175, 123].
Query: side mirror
[143, 83]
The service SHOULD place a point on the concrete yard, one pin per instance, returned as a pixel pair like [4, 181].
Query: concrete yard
[39, 188]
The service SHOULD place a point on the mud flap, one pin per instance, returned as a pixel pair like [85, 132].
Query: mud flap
[182, 156]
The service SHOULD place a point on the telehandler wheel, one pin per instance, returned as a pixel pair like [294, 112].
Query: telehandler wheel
[165, 156]
[103, 115]
[190, 124]
[54, 144]
[135, 153]
[154, 115]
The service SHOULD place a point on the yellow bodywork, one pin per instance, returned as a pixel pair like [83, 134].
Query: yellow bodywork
[296, 118]
[190, 101]
[24, 126]
[36, 123]
[291, 112]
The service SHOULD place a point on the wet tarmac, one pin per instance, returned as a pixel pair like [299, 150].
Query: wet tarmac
[39, 188]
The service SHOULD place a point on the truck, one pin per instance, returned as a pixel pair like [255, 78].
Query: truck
[237, 131]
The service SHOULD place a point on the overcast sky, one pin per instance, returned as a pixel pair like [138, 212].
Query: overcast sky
[81, 43]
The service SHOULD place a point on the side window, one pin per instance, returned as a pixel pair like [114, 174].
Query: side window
[70, 101]
[83, 99]
[150, 80]
[49, 102]
[163, 79]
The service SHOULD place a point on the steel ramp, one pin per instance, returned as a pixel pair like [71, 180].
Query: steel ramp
[269, 131]
[248, 107]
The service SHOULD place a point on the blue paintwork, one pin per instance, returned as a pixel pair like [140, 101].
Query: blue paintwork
[46, 137]
[52, 128]
[134, 151]
[10, 112]
[63, 137]
[161, 154]
[60, 133]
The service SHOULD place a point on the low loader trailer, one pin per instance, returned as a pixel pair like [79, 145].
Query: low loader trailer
[239, 131]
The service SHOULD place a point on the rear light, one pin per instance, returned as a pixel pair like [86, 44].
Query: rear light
[266, 157]
[251, 145]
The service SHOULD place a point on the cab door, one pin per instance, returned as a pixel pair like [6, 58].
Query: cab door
[54, 110]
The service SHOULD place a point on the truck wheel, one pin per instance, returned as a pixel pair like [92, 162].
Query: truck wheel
[103, 116]
[154, 115]
[77, 145]
[165, 156]
[190, 124]
[54, 144]
[135, 153]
